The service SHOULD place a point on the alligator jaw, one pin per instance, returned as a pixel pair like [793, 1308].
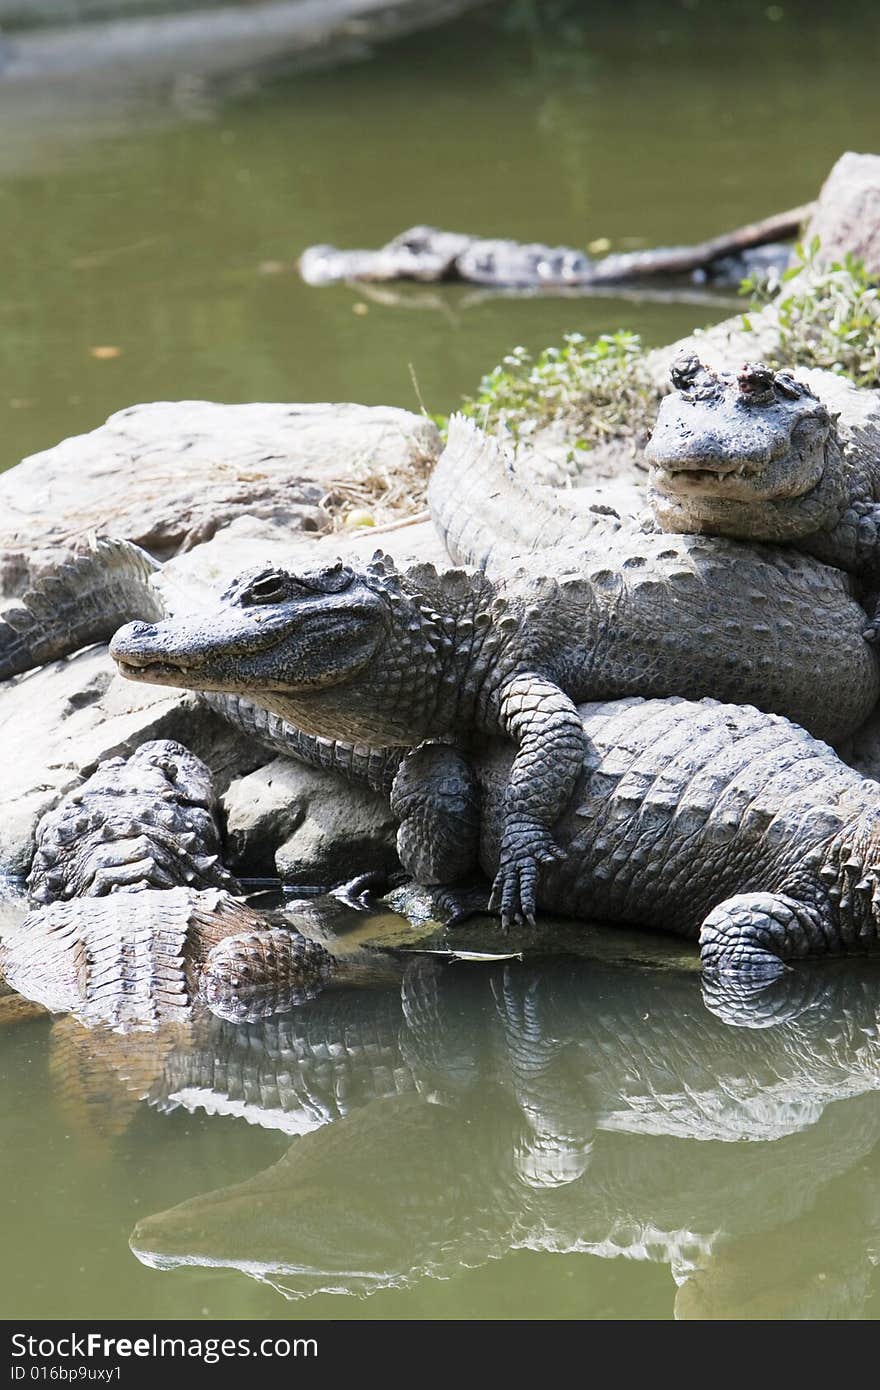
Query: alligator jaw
[160, 672]
[142, 655]
[689, 478]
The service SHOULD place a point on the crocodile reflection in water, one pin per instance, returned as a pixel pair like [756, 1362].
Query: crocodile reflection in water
[575, 1108]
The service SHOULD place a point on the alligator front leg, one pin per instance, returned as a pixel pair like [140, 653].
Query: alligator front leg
[436, 799]
[853, 544]
[546, 725]
[753, 934]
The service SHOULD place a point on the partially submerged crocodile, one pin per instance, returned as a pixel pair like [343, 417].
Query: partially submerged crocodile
[759, 456]
[429, 254]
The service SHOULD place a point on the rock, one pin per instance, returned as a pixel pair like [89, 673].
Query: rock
[58, 723]
[196, 576]
[13, 904]
[847, 216]
[308, 826]
[170, 475]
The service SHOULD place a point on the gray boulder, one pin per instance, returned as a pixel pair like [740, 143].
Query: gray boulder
[170, 475]
[847, 216]
[307, 826]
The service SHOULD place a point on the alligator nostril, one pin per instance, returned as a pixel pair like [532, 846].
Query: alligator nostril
[755, 381]
[131, 636]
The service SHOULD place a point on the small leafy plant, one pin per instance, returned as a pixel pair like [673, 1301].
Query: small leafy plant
[601, 389]
[828, 317]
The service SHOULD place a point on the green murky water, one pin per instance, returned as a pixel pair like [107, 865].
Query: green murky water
[581, 1139]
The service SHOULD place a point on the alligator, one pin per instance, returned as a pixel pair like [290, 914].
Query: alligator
[775, 838]
[591, 1108]
[390, 657]
[147, 821]
[137, 961]
[714, 822]
[758, 456]
[84, 599]
[449, 655]
[429, 254]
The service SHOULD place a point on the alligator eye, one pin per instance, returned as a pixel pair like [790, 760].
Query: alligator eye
[279, 586]
[267, 591]
[266, 588]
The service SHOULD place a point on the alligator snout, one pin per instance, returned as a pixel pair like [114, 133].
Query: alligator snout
[140, 650]
[128, 644]
[718, 453]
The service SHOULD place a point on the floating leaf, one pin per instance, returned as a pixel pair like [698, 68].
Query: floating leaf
[481, 957]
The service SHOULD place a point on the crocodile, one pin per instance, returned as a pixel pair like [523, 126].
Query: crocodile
[430, 254]
[459, 654]
[715, 822]
[390, 657]
[777, 841]
[758, 455]
[137, 961]
[592, 1108]
[84, 599]
[147, 821]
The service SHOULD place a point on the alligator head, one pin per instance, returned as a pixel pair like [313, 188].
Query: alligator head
[754, 455]
[272, 630]
[336, 651]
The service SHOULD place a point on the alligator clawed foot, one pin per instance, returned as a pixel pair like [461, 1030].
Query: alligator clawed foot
[457, 904]
[515, 890]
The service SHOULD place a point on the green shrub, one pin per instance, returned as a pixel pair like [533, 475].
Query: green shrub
[601, 389]
[828, 316]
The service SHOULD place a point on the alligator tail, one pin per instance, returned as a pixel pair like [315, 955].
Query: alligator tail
[83, 600]
[485, 508]
[255, 974]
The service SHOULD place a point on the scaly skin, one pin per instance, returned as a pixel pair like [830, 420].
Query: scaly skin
[420, 655]
[147, 821]
[758, 456]
[137, 961]
[715, 822]
[385, 658]
[82, 601]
